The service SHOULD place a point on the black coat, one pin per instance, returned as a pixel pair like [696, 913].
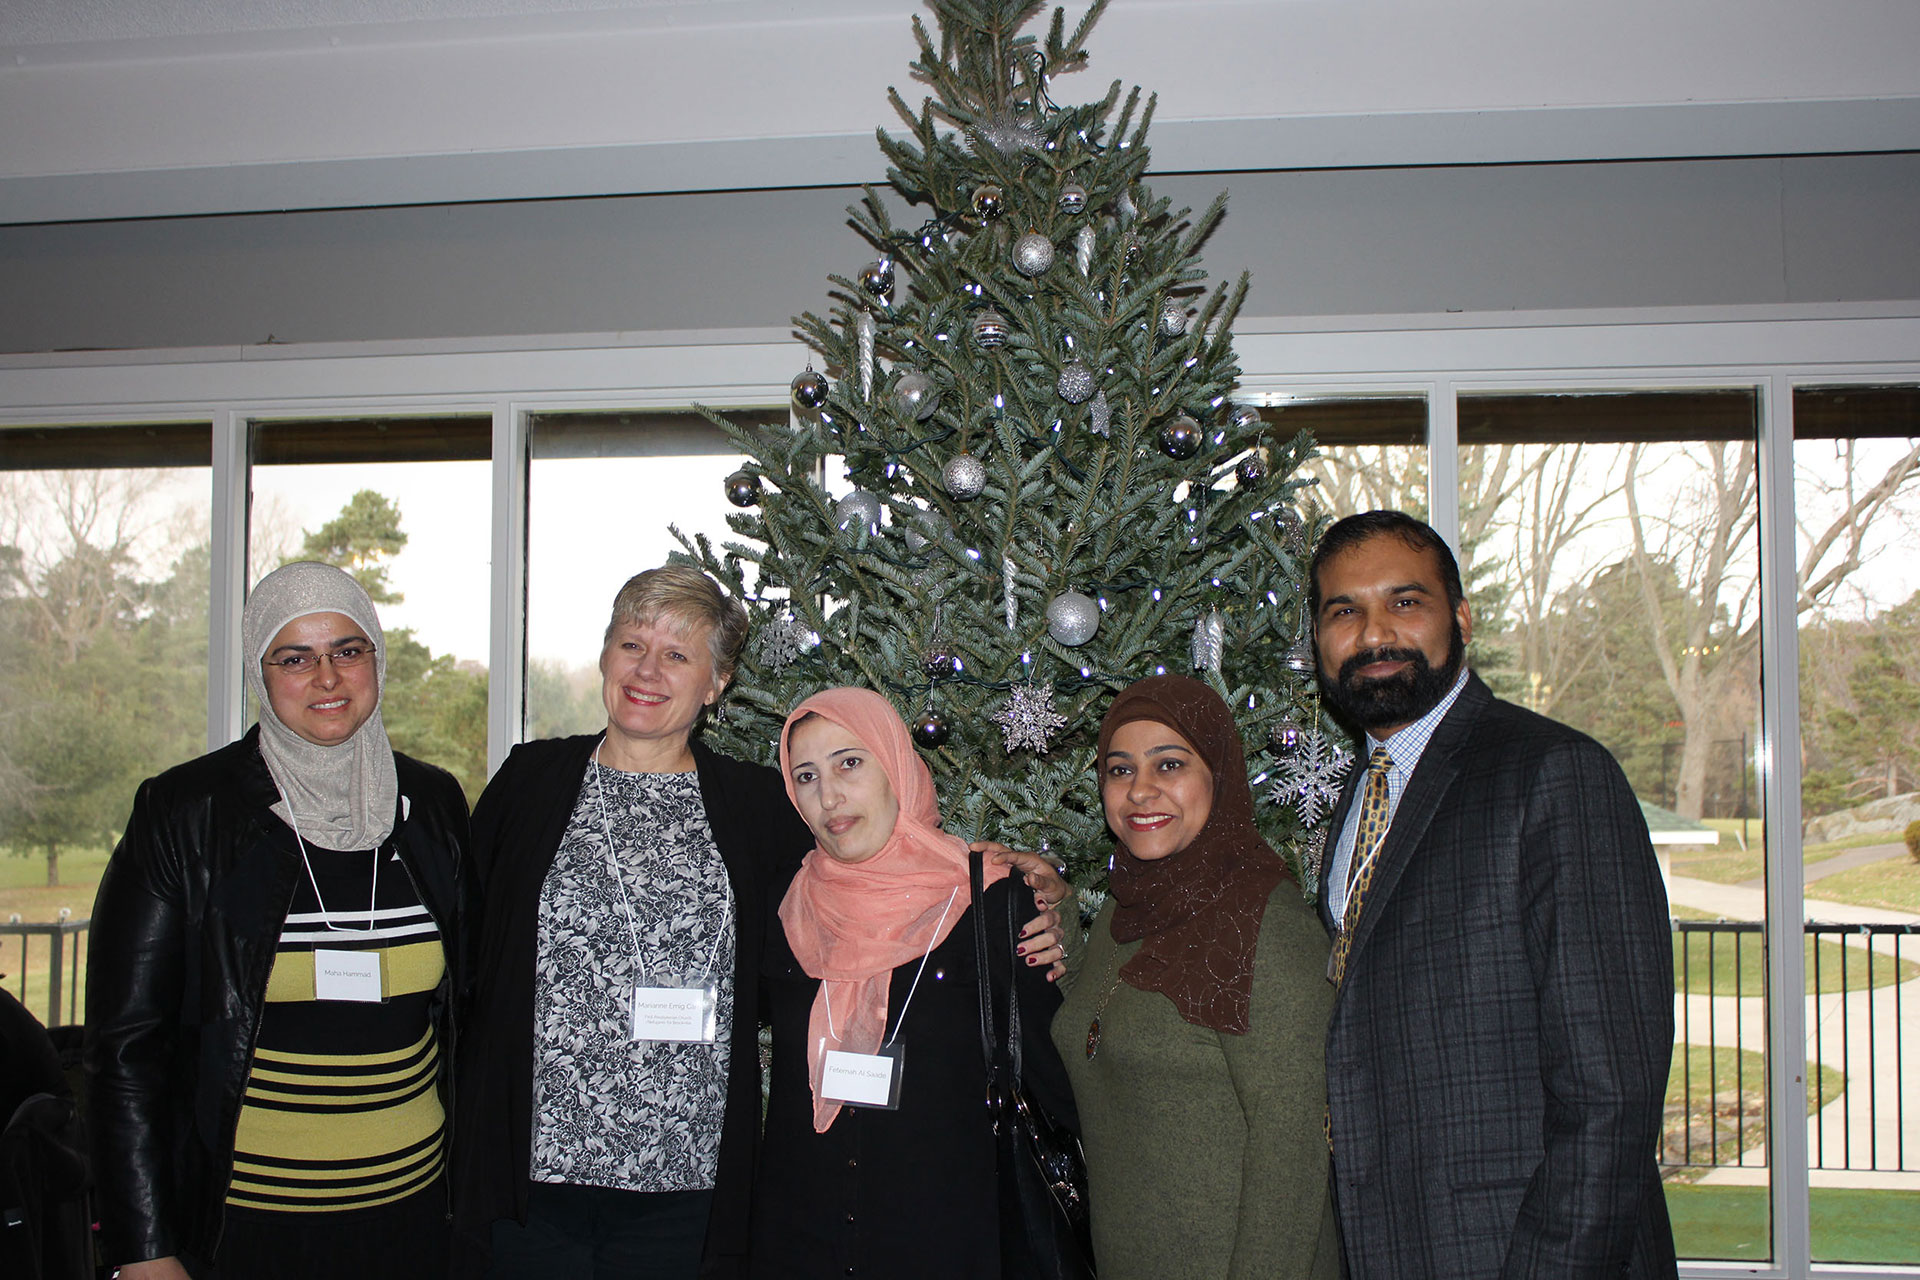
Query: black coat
[184, 933]
[518, 825]
[911, 1191]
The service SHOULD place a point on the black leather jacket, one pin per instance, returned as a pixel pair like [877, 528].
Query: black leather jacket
[183, 938]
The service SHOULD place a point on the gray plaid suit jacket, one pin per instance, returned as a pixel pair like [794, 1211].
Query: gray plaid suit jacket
[1497, 1056]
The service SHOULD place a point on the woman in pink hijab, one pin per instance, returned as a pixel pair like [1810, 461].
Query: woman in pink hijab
[878, 1158]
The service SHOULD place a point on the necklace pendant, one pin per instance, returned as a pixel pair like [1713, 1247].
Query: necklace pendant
[1093, 1036]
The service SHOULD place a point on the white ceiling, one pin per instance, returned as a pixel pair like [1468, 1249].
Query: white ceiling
[45, 22]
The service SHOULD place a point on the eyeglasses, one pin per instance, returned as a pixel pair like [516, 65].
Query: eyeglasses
[300, 664]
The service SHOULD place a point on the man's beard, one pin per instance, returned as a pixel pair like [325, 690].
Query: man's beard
[1398, 699]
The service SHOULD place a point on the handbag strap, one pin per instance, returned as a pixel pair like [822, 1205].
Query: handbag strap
[983, 970]
[988, 1048]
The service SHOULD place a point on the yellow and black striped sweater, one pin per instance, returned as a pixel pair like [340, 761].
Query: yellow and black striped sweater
[341, 1111]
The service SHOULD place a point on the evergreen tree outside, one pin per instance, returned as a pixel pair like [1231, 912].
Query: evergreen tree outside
[1054, 493]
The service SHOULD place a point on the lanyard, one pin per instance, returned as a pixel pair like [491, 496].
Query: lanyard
[613, 869]
[900, 1019]
[373, 894]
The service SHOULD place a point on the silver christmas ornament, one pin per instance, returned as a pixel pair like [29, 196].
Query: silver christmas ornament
[1073, 197]
[1083, 250]
[743, 489]
[938, 662]
[921, 529]
[989, 328]
[915, 396]
[1008, 579]
[1173, 318]
[1293, 528]
[1072, 618]
[1209, 639]
[1252, 470]
[858, 510]
[1076, 382]
[1100, 416]
[809, 389]
[964, 476]
[1284, 737]
[1028, 719]
[1300, 657]
[877, 278]
[1181, 438]
[988, 201]
[1123, 205]
[1246, 417]
[1032, 254]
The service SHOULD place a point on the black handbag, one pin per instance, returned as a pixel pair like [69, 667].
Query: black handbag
[1044, 1225]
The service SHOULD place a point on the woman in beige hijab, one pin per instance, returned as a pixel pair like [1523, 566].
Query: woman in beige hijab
[272, 977]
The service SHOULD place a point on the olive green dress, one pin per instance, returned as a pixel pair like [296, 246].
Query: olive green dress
[1206, 1152]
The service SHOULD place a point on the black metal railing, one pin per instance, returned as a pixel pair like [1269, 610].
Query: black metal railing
[63, 943]
[1862, 1034]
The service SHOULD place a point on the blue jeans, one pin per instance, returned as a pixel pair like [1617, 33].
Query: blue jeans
[598, 1233]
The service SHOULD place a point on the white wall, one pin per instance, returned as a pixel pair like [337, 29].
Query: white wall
[682, 96]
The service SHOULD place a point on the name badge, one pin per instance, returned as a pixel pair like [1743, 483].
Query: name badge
[682, 1014]
[346, 975]
[863, 1079]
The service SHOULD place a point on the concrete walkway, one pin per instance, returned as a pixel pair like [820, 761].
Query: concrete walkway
[1847, 860]
[1869, 1036]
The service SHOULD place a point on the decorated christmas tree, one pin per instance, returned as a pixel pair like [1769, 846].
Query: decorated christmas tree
[1045, 491]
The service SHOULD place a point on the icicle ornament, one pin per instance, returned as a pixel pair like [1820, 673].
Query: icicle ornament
[863, 327]
[1209, 641]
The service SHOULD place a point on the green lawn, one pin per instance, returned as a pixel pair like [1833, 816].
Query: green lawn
[1893, 885]
[1729, 964]
[1731, 1223]
[24, 892]
[1716, 1106]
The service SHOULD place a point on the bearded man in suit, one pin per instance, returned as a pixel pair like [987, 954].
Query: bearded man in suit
[1498, 1052]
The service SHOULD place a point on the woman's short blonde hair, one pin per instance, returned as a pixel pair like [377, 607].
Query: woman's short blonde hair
[689, 596]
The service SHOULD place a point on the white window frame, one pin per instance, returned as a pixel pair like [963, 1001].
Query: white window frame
[1772, 349]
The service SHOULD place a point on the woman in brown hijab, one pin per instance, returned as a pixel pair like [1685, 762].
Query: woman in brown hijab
[1194, 1028]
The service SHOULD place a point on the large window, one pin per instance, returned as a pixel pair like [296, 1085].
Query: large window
[1610, 543]
[104, 551]
[605, 492]
[401, 503]
[1655, 517]
[1856, 460]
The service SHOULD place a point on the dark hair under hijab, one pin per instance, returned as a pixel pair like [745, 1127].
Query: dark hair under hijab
[1354, 530]
[1199, 910]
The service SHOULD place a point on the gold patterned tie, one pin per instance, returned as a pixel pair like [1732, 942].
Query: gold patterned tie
[1367, 837]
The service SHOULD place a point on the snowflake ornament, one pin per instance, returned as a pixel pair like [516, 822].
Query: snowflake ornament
[1029, 719]
[783, 640]
[1310, 781]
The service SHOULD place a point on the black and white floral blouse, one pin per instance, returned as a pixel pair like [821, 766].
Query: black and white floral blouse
[610, 1111]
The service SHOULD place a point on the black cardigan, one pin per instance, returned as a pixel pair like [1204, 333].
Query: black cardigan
[517, 829]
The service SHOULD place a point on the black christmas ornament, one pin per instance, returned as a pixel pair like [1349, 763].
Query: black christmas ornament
[1180, 439]
[988, 201]
[809, 389]
[1252, 470]
[931, 730]
[743, 489]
